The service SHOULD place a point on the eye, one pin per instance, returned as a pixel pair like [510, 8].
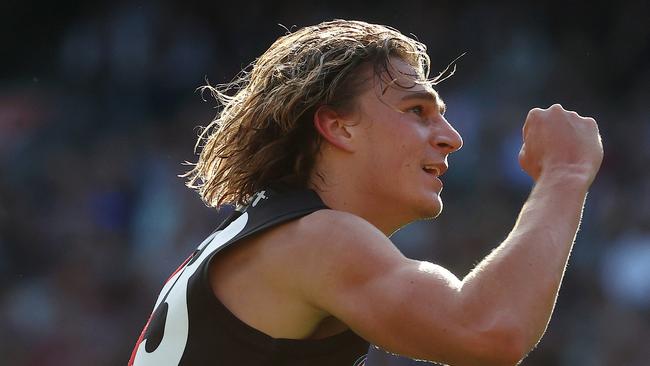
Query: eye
[417, 110]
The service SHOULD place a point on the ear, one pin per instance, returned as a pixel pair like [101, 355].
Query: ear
[331, 125]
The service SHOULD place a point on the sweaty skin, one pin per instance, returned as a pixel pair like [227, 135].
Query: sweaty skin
[335, 269]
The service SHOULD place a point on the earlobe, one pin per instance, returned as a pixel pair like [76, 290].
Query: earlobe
[331, 125]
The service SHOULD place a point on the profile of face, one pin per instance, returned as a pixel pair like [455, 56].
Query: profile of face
[402, 143]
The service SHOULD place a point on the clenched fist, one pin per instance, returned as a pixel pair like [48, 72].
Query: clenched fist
[557, 141]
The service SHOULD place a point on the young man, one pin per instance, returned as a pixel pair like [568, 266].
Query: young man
[333, 141]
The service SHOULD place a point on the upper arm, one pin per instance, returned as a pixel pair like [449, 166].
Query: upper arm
[405, 306]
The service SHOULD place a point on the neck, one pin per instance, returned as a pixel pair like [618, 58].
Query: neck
[355, 200]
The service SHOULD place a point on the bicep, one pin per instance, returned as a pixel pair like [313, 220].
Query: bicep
[404, 309]
[402, 305]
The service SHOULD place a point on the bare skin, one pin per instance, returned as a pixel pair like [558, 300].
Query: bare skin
[334, 269]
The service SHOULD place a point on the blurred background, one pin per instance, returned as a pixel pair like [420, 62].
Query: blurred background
[98, 110]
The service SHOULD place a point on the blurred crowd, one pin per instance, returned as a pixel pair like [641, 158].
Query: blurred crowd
[98, 112]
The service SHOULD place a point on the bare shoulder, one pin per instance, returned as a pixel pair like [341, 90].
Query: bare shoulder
[341, 237]
[337, 253]
[329, 253]
[326, 221]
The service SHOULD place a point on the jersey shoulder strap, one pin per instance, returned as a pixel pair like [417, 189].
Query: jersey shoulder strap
[268, 208]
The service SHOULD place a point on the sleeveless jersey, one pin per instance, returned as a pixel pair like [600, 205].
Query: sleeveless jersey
[190, 326]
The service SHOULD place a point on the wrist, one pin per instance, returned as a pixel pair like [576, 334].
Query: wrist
[568, 174]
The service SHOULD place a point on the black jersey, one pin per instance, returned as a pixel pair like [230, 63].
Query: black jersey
[190, 326]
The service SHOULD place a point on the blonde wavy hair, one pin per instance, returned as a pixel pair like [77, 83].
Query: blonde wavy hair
[264, 133]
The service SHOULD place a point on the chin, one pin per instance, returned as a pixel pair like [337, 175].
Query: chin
[430, 209]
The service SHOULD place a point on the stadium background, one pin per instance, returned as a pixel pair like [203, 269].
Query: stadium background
[98, 110]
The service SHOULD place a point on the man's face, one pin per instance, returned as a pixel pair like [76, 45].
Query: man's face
[404, 143]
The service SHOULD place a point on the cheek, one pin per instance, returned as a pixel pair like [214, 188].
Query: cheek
[396, 150]
[398, 163]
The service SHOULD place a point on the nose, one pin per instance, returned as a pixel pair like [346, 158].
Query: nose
[445, 137]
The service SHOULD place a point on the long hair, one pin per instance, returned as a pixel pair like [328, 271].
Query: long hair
[264, 132]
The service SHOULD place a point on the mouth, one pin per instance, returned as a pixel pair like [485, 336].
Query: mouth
[435, 171]
[432, 170]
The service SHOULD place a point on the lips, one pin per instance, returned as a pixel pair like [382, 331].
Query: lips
[435, 171]
[435, 168]
[431, 170]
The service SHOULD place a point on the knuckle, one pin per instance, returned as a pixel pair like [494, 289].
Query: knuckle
[588, 121]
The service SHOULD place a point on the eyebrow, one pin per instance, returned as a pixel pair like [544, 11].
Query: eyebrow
[428, 96]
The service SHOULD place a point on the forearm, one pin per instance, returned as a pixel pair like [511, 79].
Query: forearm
[517, 284]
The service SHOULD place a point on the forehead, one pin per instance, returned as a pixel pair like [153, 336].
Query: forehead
[403, 81]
